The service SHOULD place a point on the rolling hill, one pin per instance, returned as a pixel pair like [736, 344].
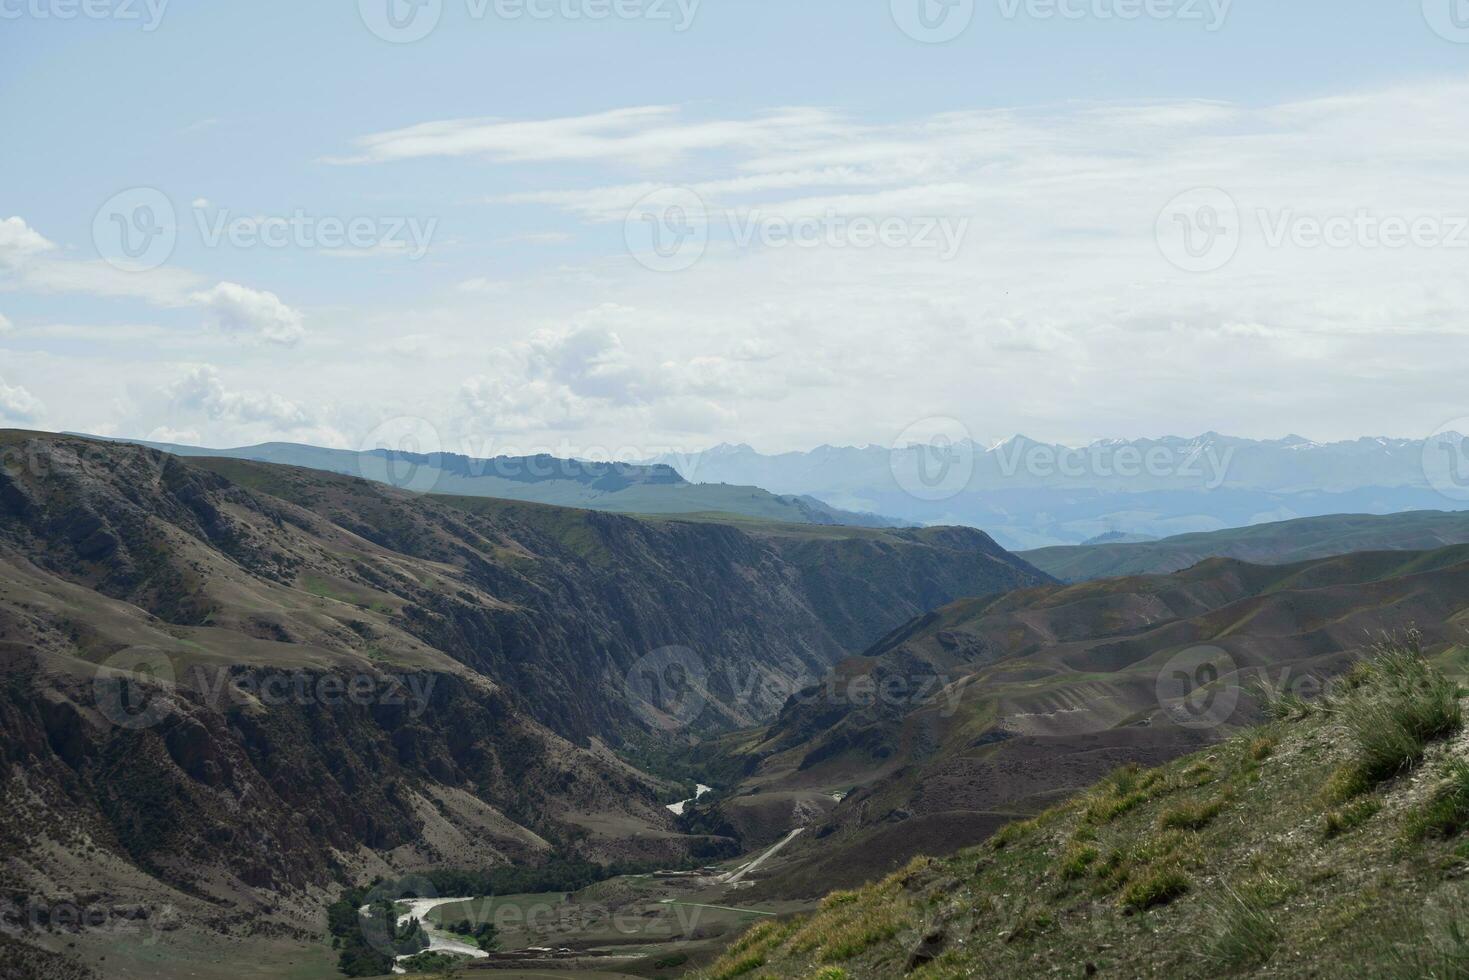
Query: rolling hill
[1276, 543]
[993, 708]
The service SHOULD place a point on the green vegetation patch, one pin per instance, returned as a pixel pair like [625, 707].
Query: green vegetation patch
[1143, 875]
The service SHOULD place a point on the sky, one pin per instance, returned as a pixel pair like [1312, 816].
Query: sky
[614, 228]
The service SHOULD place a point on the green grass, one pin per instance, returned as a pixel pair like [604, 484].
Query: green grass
[1446, 814]
[1244, 932]
[1403, 704]
[1157, 887]
[1190, 816]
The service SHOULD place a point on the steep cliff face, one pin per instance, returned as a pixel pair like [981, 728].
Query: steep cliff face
[559, 606]
[232, 682]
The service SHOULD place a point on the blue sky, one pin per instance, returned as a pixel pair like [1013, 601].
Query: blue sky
[1046, 146]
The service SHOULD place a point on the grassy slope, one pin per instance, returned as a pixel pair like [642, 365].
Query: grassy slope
[1278, 543]
[1246, 859]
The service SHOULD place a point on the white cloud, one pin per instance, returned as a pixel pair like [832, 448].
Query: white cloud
[5, 325]
[631, 136]
[482, 286]
[19, 405]
[201, 391]
[19, 243]
[240, 311]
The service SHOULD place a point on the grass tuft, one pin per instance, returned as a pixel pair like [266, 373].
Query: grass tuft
[1189, 816]
[1353, 815]
[1078, 860]
[1401, 705]
[1158, 887]
[1245, 934]
[1447, 811]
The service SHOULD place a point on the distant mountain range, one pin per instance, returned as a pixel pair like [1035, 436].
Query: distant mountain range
[1031, 494]
[1264, 544]
[620, 488]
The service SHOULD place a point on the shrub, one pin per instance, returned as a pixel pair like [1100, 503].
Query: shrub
[1159, 887]
[1245, 935]
[1447, 811]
